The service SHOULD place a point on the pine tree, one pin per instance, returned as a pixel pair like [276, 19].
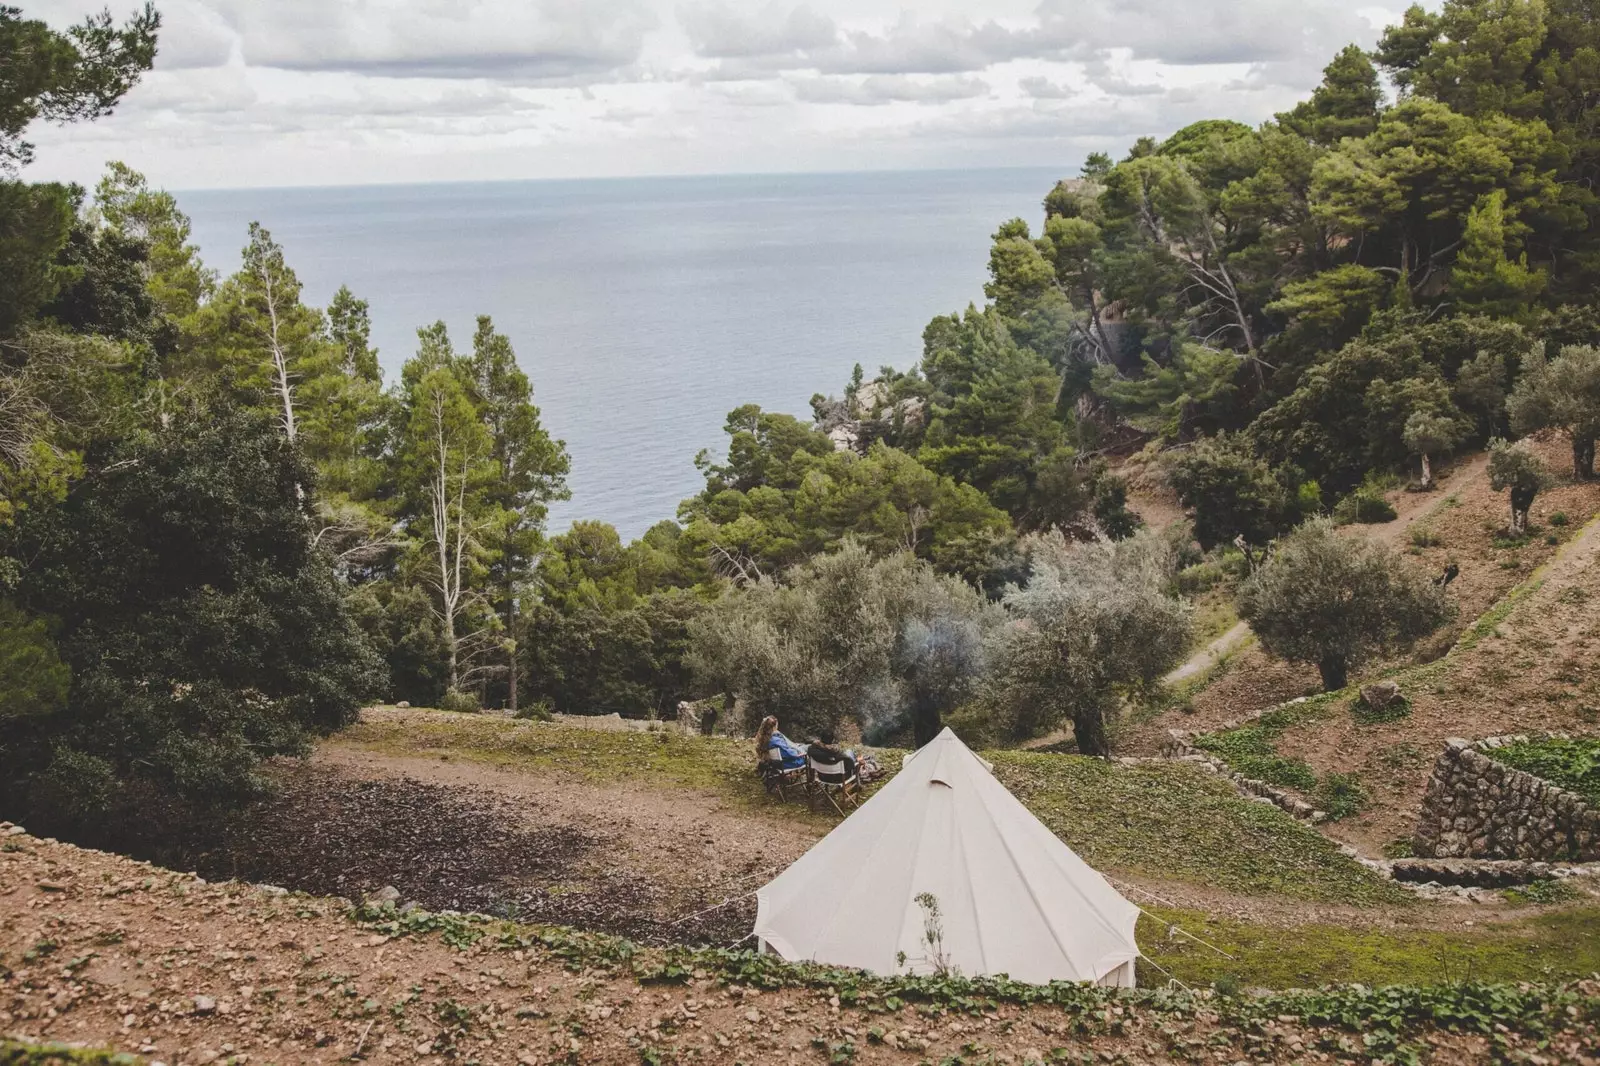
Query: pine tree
[532, 472]
[1484, 279]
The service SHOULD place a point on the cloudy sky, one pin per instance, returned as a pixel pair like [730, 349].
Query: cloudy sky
[319, 92]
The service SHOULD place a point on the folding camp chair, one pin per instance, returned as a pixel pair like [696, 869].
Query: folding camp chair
[843, 790]
[778, 779]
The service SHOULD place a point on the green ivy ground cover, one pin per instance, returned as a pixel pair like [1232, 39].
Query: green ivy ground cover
[1573, 764]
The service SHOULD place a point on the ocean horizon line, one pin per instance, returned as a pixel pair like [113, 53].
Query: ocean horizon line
[617, 179]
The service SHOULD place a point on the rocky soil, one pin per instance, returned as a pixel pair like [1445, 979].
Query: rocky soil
[103, 951]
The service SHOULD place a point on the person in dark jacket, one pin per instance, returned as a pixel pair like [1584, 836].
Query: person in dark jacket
[825, 750]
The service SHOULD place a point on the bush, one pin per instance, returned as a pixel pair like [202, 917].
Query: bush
[459, 701]
[540, 710]
[1209, 573]
[1559, 519]
[1421, 537]
[1233, 492]
[203, 630]
[1365, 506]
[1341, 795]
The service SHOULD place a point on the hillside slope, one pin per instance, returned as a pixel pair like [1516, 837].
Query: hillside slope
[99, 950]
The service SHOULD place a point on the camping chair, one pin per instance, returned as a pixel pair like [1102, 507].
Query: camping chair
[842, 792]
[779, 779]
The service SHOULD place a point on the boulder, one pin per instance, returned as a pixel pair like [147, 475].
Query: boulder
[1380, 694]
[386, 894]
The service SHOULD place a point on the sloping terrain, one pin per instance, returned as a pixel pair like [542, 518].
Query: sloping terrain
[103, 951]
[1519, 657]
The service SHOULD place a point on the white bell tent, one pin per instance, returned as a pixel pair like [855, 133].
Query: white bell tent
[1013, 899]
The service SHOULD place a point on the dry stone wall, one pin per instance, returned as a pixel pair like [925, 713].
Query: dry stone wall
[1478, 808]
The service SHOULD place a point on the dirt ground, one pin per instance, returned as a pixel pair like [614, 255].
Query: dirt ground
[649, 864]
[102, 951]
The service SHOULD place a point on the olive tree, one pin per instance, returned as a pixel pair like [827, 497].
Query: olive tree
[1336, 601]
[886, 641]
[1514, 467]
[1564, 393]
[1428, 434]
[1092, 620]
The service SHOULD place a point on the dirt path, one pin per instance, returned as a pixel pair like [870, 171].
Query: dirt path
[1409, 507]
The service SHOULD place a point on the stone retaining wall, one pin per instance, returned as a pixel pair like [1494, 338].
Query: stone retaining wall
[1179, 746]
[1478, 808]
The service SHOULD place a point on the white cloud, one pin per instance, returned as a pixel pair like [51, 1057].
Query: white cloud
[330, 91]
[511, 39]
[887, 89]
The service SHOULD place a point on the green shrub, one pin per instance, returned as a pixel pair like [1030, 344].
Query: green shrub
[540, 710]
[1341, 795]
[1215, 569]
[1365, 506]
[1559, 519]
[1422, 537]
[460, 701]
[1571, 764]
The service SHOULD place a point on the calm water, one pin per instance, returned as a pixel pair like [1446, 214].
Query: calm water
[645, 309]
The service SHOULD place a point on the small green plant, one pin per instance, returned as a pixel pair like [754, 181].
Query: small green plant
[1399, 848]
[540, 710]
[459, 701]
[933, 934]
[1341, 795]
[1227, 986]
[1422, 537]
[1559, 519]
[1543, 891]
[1365, 506]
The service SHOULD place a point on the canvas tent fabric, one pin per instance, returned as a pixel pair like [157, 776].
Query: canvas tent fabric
[1014, 899]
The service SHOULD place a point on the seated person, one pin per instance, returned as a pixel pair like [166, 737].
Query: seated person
[768, 737]
[825, 750]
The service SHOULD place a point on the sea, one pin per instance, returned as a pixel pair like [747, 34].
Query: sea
[645, 309]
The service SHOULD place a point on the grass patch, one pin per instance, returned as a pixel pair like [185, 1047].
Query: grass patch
[1572, 764]
[1166, 821]
[1544, 891]
[22, 1053]
[1560, 944]
[1250, 751]
[1341, 795]
[1178, 822]
[1422, 537]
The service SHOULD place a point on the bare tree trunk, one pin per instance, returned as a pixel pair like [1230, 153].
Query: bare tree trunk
[1427, 472]
[1089, 730]
[511, 648]
[1335, 672]
[1582, 457]
[449, 571]
[1521, 504]
[280, 359]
